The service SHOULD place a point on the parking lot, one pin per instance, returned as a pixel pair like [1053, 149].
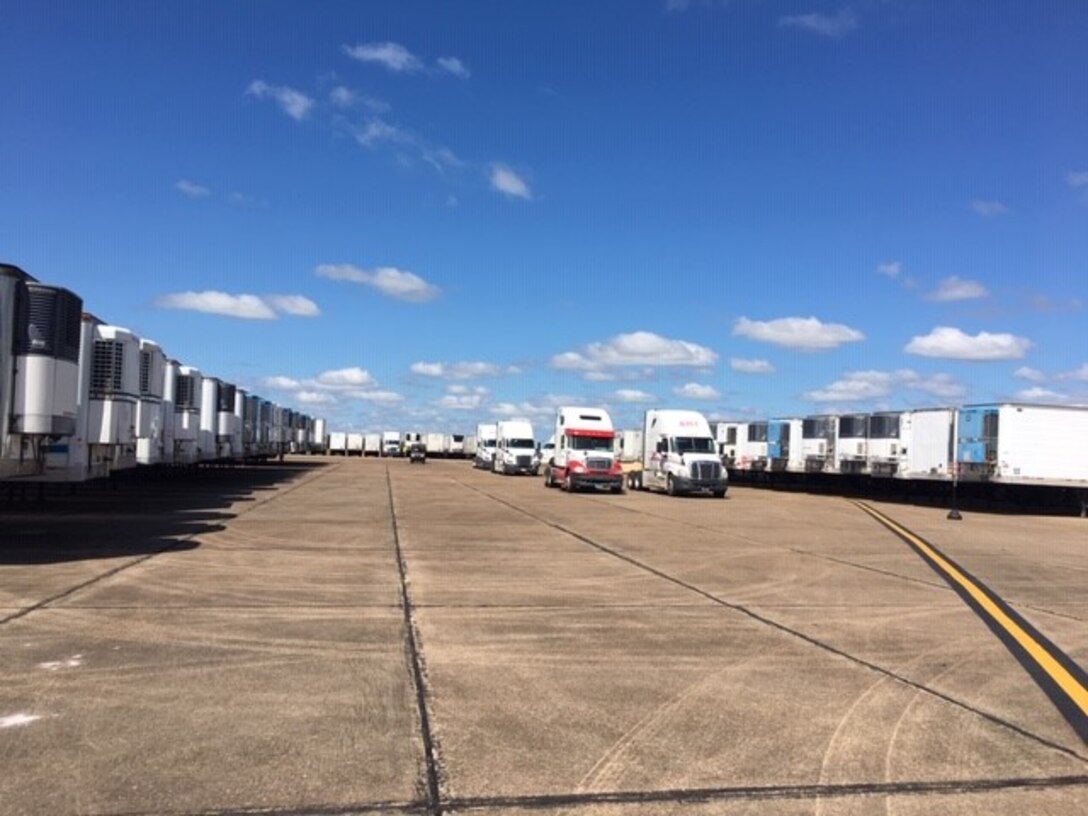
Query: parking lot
[369, 636]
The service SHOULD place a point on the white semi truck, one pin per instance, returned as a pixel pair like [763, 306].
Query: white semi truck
[391, 443]
[584, 455]
[515, 448]
[679, 455]
[485, 446]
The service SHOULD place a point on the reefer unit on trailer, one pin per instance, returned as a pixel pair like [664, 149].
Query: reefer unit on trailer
[852, 443]
[39, 370]
[485, 445]
[149, 409]
[264, 432]
[228, 422]
[784, 449]
[188, 399]
[251, 426]
[455, 445]
[885, 444]
[679, 455]
[391, 443]
[515, 448]
[742, 445]
[818, 434]
[1023, 444]
[114, 395]
[583, 455]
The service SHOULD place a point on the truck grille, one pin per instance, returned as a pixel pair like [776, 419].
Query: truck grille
[524, 461]
[599, 464]
[706, 471]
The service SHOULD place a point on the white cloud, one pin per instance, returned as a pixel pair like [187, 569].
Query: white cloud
[376, 397]
[247, 307]
[633, 395]
[388, 280]
[803, 333]
[1046, 304]
[1038, 394]
[390, 55]
[988, 208]
[351, 377]
[1030, 374]
[342, 97]
[526, 409]
[865, 386]
[464, 370]
[750, 366]
[1078, 374]
[463, 398]
[1077, 178]
[956, 288]
[828, 25]
[453, 66]
[637, 348]
[890, 269]
[509, 183]
[377, 130]
[296, 305]
[953, 344]
[281, 383]
[315, 398]
[697, 391]
[294, 103]
[192, 189]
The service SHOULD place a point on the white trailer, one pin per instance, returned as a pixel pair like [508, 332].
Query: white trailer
[188, 398]
[391, 443]
[583, 455]
[742, 445]
[818, 434]
[852, 443]
[354, 444]
[40, 338]
[320, 441]
[679, 455]
[468, 447]
[149, 409]
[515, 448]
[784, 449]
[1017, 443]
[338, 443]
[372, 444]
[435, 443]
[627, 447]
[114, 394]
[485, 445]
[454, 445]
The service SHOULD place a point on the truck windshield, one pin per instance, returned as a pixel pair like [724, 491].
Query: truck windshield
[694, 444]
[487, 443]
[520, 443]
[590, 443]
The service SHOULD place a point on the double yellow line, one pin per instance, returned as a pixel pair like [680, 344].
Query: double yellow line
[1063, 681]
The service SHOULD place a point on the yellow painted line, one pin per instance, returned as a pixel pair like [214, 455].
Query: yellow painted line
[1058, 673]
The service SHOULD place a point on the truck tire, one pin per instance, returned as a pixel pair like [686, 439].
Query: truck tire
[549, 480]
[670, 485]
[719, 494]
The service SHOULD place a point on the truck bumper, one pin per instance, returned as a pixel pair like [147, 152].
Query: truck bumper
[685, 484]
[601, 480]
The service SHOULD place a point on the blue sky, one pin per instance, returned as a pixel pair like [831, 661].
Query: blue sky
[428, 215]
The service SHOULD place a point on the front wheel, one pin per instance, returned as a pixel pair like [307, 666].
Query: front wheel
[719, 494]
[549, 479]
[670, 485]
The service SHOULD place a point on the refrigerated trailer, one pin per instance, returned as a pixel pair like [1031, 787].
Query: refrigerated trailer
[1023, 444]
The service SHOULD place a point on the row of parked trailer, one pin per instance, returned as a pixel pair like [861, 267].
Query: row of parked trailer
[1007, 443]
[80, 399]
[395, 443]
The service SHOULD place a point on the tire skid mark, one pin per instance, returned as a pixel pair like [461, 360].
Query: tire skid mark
[787, 630]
